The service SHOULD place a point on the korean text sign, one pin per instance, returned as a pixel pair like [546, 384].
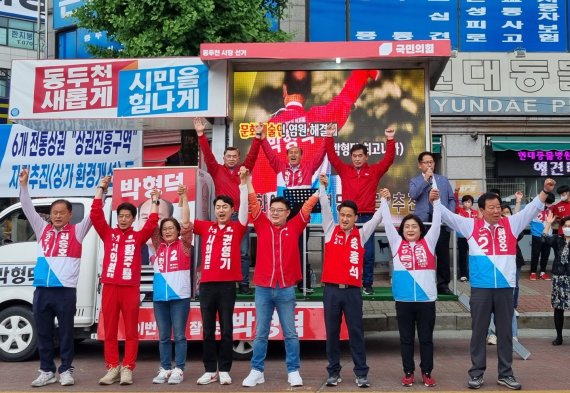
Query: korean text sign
[117, 88]
[64, 163]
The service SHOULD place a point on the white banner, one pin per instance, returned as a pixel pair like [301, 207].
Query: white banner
[117, 89]
[64, 163]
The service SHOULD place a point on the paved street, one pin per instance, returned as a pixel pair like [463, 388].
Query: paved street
[540, 373]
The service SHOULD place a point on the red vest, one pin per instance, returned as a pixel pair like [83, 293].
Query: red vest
[221, 256]
[344, 258]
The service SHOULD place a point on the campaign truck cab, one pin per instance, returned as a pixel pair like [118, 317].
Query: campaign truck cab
[18, 331]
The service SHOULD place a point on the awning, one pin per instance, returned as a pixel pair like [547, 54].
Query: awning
[436, 144]
[533, 143]
[157, 155]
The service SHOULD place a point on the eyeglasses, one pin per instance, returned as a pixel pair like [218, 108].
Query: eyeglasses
[428, 162]
[275, 210]
[168, 229]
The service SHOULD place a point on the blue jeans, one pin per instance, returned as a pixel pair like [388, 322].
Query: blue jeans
[266, 301]
[171, 318]
[368, 268]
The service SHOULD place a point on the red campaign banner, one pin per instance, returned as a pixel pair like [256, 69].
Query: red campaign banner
[135, 184]
[78, 86]
[309, 323]
[326, 50]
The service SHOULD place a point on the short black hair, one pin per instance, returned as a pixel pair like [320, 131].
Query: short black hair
[550, 198]
[423, 154]
[505, 205]
[225, 199]
[563, 220]
[63, 201]
[282, 200]
[296, 85]
[129, 207]
[359, 146]
[231, 148]
[416, 219]
[562, 189]
[467, 198]
[488, 196]
[350, 205]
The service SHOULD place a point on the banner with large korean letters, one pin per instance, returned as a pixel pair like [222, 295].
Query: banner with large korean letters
[64, 163]
[117, 88]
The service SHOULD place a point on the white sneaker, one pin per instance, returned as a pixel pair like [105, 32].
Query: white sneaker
[45, 378]
[295, 379]
[162, 376]
[176, 376]
[255, 377]
[207, 378]
[66, 378]
[225, 378]
[492, 339]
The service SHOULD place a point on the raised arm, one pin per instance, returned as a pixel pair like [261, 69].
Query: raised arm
[318, 158]
[326, 210]
[243, 200]
[335, 161]
[36, 221]
[392, 234]
[518, 200]
[251, 157]
[185, 223]
[454, 221]
[418, 186]
[211, 164]
[97, 215]
[384, 164]
[521, 219]
[432, 234]
[275, 162]
[254, 208]
[147, 230]
[456, 196]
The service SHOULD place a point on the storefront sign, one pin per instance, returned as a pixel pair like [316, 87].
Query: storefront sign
[502, 84]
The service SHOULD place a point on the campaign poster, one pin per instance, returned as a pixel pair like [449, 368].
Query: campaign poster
[64, 163]
[361, 103]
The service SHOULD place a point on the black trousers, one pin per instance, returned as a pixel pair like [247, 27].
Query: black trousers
[539, 249]
[348, 301]
[463, 254]
[217, 298]
[442, 255]
[410, 315]
[50, 303]
[484, 302]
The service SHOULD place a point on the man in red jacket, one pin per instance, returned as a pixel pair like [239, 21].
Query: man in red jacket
[359, 183]
[121, 279]
[226, 181]
[277, 271]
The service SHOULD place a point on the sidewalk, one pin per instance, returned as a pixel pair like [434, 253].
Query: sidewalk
[535, 311]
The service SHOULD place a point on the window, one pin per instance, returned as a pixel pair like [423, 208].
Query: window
[4, 82]
[15, 227]
[18, 33]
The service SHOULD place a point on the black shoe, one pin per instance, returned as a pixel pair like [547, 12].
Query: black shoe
[368, 290]
[509, 382]
[557, 341]
[334, 380]
[475, 382]
[444, 291]
[244, 289]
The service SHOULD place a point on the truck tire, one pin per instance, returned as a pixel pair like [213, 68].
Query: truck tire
[18, 334]
[243, 350]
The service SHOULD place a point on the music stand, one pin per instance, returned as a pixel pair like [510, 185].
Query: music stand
[297, 197]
